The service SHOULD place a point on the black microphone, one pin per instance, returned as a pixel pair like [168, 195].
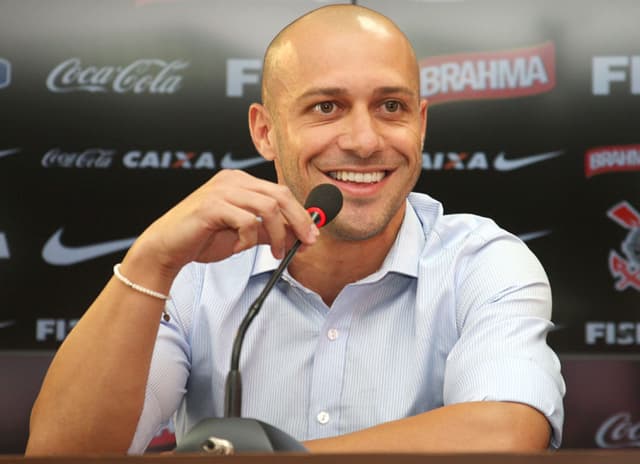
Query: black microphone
[233, 433]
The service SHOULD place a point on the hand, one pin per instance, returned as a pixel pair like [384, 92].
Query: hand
[232, 212]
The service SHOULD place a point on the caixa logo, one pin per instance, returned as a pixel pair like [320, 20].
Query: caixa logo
[150, 75]
[5, 73]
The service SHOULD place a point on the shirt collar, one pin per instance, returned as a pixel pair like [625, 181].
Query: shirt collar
[403, 258]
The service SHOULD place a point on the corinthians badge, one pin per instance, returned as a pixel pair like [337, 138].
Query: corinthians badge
[627, 271]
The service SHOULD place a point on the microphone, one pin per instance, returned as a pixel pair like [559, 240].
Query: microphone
[233, 433]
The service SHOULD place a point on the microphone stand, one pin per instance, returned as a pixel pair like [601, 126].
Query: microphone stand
[233, 386]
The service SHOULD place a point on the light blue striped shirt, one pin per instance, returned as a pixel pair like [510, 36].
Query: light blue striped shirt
[458, 312]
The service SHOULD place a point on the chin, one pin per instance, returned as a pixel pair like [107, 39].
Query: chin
[354, 232]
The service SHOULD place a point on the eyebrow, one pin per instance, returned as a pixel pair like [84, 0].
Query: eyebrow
[340, 91]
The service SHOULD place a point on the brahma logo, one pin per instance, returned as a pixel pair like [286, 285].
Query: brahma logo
[488, 75]
[616, 158]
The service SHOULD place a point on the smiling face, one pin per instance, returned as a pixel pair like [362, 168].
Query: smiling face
[342, 106]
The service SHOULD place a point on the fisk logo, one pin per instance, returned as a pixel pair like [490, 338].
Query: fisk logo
[485, 75]
[242, 72]
[54, 329]
[617, 158]
[5, 73]
[627, 271]
[609, 69]
[479, 160]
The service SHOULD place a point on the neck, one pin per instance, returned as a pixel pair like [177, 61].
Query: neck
[332, 263]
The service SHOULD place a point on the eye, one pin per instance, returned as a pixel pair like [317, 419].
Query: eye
[325, 107]
[392, 106]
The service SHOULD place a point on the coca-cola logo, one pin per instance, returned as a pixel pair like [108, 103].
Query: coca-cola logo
[89, 158]
[618, 431]
[150, 75]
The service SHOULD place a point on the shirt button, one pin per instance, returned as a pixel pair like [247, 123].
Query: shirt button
[323, 417]
[332, 334]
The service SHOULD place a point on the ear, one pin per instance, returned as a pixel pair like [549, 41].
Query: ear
[423, 119]
[260, 127]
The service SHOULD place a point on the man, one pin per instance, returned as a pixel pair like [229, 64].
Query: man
[394, 329]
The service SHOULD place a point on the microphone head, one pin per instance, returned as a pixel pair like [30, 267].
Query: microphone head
[324, 203]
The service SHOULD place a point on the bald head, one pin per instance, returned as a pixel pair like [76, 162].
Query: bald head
[295, 42]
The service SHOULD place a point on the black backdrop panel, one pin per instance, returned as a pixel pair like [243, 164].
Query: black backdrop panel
[111, 112]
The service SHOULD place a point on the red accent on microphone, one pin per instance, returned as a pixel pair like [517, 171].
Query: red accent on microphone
[321, 219]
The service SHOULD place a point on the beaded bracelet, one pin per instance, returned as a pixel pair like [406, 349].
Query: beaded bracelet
[141, 289]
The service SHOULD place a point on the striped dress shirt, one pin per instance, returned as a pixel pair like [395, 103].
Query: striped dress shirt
[459, 311]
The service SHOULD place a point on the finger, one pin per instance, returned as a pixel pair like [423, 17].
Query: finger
[247, 235]
[296, 216]
[274, 203]
[220, 215]
[272, 221]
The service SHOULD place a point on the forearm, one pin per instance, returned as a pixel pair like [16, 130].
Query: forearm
[93, 393]
[464, 427]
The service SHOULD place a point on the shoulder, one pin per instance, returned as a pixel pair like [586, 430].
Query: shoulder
[472, 251]
[453, 231]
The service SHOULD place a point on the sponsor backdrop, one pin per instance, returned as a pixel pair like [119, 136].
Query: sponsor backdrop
[111, 112]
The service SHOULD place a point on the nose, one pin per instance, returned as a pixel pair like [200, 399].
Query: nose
[361, 134]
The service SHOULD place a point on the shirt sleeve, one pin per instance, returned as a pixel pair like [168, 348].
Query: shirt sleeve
[503, 312]
[171, 361]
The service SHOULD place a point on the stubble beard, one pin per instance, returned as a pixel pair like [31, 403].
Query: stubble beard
[356, 229]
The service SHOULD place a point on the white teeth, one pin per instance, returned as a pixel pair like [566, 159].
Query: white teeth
[358, 177]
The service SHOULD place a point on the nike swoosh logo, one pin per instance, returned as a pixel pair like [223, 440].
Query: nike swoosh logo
[57, 254]
[501, 163]
[229, 162]
[533, 235]
[11, 151]
[5, 324]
